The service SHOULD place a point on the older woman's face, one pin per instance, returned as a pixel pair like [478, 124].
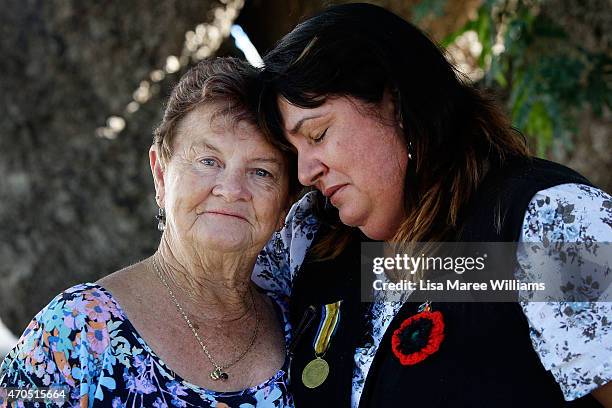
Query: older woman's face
[224, 187]
[355, 156]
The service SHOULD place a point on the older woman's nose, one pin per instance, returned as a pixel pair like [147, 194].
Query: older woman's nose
[310, 170]
[232, 186]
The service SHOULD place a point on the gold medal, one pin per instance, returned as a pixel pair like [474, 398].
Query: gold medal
[315, 373]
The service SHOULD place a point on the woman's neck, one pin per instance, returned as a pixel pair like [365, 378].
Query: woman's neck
[212, 286]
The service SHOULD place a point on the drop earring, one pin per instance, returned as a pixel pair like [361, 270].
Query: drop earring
[161, 219]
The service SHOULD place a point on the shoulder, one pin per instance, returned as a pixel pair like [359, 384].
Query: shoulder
[569, 212]
[301, 227]
[301, 219]
[572, 224]
[65, 342]
[281, 258]
[565, 243]
[78, 320]
[82, 310]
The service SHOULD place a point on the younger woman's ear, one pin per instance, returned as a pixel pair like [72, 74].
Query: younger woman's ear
[157, 170]
[392, 104]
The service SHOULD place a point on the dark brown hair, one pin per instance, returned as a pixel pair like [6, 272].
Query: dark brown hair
[452, 130]
[231, 83]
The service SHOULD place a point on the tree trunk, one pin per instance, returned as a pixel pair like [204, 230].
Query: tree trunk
[76, 206]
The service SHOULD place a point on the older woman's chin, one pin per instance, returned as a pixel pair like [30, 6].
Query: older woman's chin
[224, 242]
[224, 239]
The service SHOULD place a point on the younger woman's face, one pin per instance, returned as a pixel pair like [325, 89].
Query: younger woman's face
[356, 156]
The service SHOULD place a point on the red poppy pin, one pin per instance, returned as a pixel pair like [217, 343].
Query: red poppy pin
[418, 336]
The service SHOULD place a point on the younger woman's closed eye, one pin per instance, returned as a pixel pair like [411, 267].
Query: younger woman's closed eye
[319, 138]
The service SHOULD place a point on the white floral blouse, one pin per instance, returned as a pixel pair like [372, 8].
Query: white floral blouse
[572, 339]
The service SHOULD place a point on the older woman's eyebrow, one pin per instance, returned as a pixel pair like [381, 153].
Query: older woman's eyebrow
[300, 122]
[270, 160]
[205, 145]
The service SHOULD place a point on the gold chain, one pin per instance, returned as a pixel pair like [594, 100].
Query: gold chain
[218, 372]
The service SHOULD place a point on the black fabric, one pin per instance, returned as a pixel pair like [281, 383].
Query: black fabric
[486, 358]
[317, 284]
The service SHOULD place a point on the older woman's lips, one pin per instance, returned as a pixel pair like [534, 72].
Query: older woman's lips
[226, 213]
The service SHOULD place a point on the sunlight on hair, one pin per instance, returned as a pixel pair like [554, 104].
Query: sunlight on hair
[199, 43]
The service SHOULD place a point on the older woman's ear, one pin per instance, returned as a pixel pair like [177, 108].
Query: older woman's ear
[157, 169]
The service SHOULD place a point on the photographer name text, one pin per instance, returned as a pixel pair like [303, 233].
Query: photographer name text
[458, 285]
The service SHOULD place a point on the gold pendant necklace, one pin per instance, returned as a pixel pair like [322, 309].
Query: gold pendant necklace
[218, 372]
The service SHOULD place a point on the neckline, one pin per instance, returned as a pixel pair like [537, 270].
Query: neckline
[278, 307]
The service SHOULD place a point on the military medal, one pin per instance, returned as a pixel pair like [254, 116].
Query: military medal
[315, 373]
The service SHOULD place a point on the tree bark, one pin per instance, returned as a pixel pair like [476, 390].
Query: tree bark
[75, 206]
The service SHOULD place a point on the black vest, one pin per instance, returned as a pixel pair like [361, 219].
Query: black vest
[486, 358]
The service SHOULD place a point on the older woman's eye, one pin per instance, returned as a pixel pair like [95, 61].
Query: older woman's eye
[208, 162]
[262, 173]
[319, 138]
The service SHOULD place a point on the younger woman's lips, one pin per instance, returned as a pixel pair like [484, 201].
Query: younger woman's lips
[333, 197]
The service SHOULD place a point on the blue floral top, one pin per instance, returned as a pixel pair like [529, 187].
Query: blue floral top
[84, 341]
[572, 339]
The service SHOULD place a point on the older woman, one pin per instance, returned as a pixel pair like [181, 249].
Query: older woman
[400, 149]
[185, 327]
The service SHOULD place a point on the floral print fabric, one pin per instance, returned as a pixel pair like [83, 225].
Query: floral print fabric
[83, 340]
[573, 340]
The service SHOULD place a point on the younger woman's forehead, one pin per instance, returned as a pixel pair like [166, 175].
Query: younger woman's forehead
[294, 117]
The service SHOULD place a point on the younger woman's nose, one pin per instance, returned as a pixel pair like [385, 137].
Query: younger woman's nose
[310, 170]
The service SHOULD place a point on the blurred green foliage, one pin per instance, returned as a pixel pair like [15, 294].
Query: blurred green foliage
[546, 76]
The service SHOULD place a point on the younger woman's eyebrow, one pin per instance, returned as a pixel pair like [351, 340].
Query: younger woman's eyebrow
[300, 122]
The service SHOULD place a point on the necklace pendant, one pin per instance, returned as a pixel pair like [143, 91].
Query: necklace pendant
[218, 374]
